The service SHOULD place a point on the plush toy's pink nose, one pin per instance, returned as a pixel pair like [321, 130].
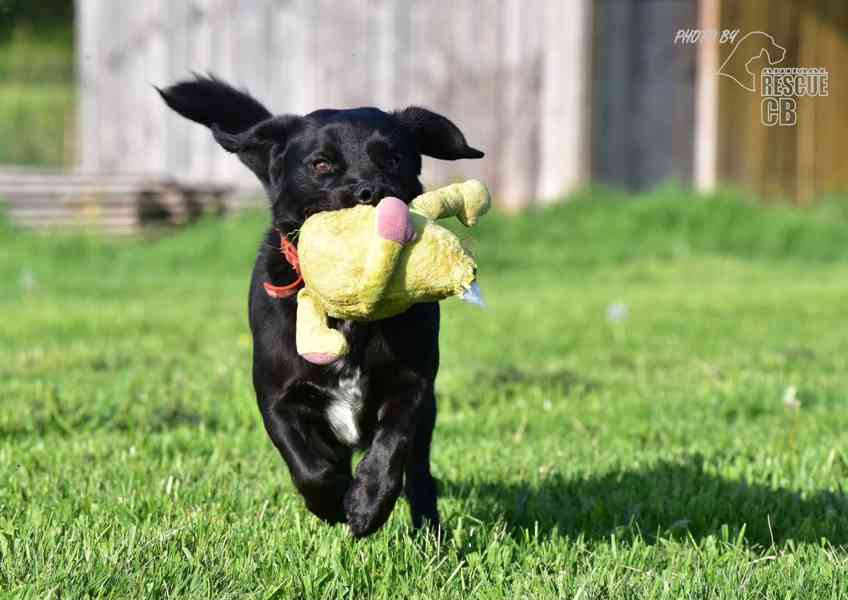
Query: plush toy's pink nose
[393, 221]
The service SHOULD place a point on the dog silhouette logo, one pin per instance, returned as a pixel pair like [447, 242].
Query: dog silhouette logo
[748, 49]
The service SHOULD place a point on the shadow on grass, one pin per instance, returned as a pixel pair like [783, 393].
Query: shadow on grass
[668, 500]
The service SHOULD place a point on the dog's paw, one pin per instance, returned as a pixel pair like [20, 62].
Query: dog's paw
[367, 510]
[358, 512]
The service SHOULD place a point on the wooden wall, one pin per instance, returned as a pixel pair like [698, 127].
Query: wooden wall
[800, 162]
[512, 74]
[642, 93]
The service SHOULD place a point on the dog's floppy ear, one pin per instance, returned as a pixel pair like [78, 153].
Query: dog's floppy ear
[208, 101]
[435, 135]
[255, 145]
[239, 122]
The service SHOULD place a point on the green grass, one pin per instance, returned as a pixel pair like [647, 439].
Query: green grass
[37, 97]
[654, 457]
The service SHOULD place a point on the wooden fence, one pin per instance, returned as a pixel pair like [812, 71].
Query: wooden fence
[797, 162]
[557, 92]
[642, 106]
[807, 159]
[513, 74]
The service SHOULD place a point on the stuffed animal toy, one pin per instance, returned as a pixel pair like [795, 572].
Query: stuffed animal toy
[372, 262]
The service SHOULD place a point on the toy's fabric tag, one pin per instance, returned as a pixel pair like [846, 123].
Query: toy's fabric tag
[474, 295]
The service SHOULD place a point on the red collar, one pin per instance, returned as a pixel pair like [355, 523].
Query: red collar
[289, 252]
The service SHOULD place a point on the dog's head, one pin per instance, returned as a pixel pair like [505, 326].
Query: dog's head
[326, 160]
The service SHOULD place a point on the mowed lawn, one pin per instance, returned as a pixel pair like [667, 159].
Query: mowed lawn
[652, 406]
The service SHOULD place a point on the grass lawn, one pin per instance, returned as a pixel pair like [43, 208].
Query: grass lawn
[620, 423]
[37, 97]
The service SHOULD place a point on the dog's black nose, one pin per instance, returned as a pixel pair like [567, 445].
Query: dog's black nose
[364, 194]
[368, 193]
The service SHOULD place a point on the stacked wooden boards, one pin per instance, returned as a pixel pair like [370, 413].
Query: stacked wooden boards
[109, 203]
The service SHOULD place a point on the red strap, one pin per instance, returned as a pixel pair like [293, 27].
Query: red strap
[289, 252]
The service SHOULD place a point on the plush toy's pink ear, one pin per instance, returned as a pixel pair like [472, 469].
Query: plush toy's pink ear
[393, 221]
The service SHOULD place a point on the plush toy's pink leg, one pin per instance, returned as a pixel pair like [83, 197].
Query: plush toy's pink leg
[393, 222]
[319, 358]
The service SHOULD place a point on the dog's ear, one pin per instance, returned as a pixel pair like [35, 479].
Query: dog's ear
[239, 122]
[435, 135]
[255, 146]
[209, 101]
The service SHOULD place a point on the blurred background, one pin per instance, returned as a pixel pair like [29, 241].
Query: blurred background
[655, 394]
[558, 94]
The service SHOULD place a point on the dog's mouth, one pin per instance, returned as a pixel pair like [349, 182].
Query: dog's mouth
[331, 203]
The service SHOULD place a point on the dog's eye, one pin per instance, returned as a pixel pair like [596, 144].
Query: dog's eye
[322, 166]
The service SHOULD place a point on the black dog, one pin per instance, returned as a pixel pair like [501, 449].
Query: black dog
[380, 396]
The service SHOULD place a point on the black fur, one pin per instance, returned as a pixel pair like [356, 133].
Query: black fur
[371, 154]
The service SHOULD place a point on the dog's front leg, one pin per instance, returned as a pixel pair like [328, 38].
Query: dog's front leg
[379, 476]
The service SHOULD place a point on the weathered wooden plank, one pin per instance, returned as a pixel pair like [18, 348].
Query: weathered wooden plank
[353, 64]
[93, 212]
[521, 85]
[474, 102]
[382, 40]
[565, 95]
[292, 80]
[133, 56]
[251, 63]
[428, 73]
[832, 124]
[614, 36]
[154, 133]
[87, 32]
[179, 34]
[113, 82]
[103, 202]
[775, 177]
[663, 93]
[94, 220]
[705, 162]
[751, 155]
[643, 106]
[43, 200]
[228, 55]
[200, 148]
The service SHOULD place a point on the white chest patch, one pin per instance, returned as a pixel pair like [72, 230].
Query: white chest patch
[345, 406]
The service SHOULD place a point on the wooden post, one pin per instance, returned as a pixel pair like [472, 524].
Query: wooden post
[520, 88]
[565, 102]
[86, 19]
[806, 128]
[706, 99]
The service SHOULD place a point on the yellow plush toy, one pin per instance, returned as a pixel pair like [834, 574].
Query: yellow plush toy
[373, 262]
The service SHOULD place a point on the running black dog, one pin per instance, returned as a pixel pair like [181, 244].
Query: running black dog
[380, 396]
